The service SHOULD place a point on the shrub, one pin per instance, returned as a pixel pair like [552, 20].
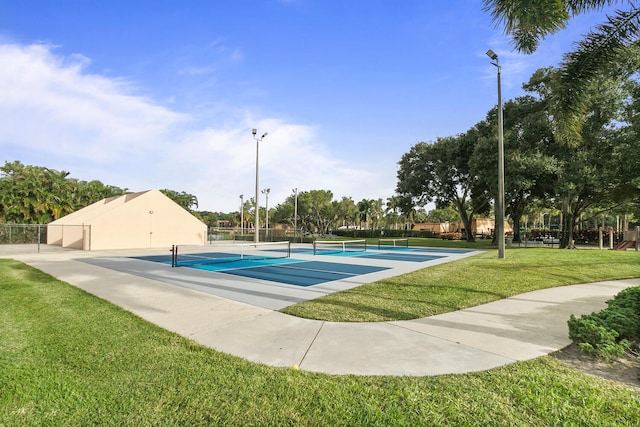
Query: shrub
[451, 236]
[627, 298]
[596, 339]
[624, 321]
[608, 333]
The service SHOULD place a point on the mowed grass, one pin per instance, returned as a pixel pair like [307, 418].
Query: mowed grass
[69, 358]
[469, 282]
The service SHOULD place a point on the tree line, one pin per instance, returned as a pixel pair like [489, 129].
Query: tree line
[38, 195]
[316, 211]
[571, 144]
[597, 174]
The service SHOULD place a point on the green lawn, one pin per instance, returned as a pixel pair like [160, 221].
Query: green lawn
[69, 358]
[469, 282]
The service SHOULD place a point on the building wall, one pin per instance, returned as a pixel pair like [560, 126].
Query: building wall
[133, 221]
[478, 226]
[68, 230]
[434, 227]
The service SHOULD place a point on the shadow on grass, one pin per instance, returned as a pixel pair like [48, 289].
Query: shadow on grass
[400, 306]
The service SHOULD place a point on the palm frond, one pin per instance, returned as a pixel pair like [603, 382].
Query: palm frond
[530, 21]
[601, 53]
[577, 7]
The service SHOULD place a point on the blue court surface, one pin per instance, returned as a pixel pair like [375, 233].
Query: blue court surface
[299, 272]
[278, 283]
[304, 273]
[281, 270]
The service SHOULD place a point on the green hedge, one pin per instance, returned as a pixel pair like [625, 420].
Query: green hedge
[385, 233]
[610, 332]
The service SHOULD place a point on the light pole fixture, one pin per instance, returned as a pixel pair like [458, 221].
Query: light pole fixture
[499, 208]
[295, 213]
[256, 237]
[266, 192]
[241, 216]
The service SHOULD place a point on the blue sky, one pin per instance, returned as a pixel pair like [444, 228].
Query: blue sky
[164, 94]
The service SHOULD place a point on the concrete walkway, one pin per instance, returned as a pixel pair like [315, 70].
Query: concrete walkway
[491, 335]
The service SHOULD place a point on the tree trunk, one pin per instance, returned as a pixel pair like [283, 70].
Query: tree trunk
[466, 221]
[568, 225]
[516, 228]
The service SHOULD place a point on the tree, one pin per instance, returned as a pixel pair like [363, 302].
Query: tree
[598, 170]
[186, 200]
[284, 213]
[346, 212]
[35, 194]
[319, 209]
[530, 169]
[440, 172]
[406, 206]
[316, 211]
[444, 214]
[365, 209]
[392, 212]
[529, 22]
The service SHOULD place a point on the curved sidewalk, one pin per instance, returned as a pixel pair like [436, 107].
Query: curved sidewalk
[479, 338]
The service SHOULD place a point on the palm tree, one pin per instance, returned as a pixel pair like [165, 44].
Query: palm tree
[377, 212]
[346, 212]
[365, 207]
[392, 211]
[530, 22]
[186, 200]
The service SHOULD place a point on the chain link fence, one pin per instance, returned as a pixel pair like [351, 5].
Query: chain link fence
[19, 234]
[23, 237]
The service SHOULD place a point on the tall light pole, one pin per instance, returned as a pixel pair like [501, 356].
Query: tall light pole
[241, 216]
[256, 237]
[295, 214]
[500, 198]
[266, 192]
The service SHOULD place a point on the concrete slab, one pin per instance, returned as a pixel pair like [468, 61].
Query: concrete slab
[499, 338]
[271, 338]
[524, 326]
[385, 348]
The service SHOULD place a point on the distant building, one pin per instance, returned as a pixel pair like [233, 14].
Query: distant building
[434, 227]
[479, 227]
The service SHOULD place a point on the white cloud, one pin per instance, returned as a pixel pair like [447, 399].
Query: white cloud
[57, 114]
[53, 106]
[219, 45]
[198, 71]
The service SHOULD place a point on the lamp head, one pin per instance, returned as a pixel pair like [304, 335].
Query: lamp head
[491, 54]
[254, 131]
[263, 135]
